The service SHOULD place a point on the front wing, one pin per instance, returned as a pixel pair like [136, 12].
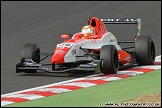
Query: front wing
[29, 64]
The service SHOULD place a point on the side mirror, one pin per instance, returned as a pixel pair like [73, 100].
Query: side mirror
[65, 37]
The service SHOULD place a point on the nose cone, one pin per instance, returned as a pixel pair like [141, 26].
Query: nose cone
[58, 56]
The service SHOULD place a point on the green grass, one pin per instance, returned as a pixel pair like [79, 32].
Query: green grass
[116, 91]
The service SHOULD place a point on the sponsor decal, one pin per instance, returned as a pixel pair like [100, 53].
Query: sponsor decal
[119, 20]
[67, 45]
[59, 52]
[127, 58]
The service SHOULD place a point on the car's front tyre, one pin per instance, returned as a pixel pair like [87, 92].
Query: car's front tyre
[109, 59]
[31, 51]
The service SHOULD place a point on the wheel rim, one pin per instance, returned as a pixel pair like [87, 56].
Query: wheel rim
[101, 65]
[37, 56]
[115, 60]
[152, 52]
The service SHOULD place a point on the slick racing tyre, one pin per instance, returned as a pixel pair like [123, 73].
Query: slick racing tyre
[109, 59]
[31, 51]
[144, 50]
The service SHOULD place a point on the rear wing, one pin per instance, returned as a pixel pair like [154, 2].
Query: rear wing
[124, 21]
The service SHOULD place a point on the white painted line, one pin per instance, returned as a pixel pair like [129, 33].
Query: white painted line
[158, 57]
[111, 78]
[3, 103]
[133, 73]
[81, 84]
[95, 75]
[157, 60]
[150, 67]
[25, 96]
[54, 90]
[93, 78]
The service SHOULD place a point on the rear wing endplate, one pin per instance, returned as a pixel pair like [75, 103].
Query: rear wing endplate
[124, 21]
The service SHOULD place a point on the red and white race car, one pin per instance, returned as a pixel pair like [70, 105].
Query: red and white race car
[101, 52]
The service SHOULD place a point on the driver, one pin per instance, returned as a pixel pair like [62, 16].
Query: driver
[87, 32]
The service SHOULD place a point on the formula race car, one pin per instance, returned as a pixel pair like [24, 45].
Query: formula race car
[101, 52]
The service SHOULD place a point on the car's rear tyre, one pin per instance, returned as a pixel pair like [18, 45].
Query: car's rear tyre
[31, 51]
[145, 50]
[109, 62]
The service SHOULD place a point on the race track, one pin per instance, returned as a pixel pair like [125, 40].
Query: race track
[42, 22]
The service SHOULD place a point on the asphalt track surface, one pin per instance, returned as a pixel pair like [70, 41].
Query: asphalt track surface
[42, 22]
